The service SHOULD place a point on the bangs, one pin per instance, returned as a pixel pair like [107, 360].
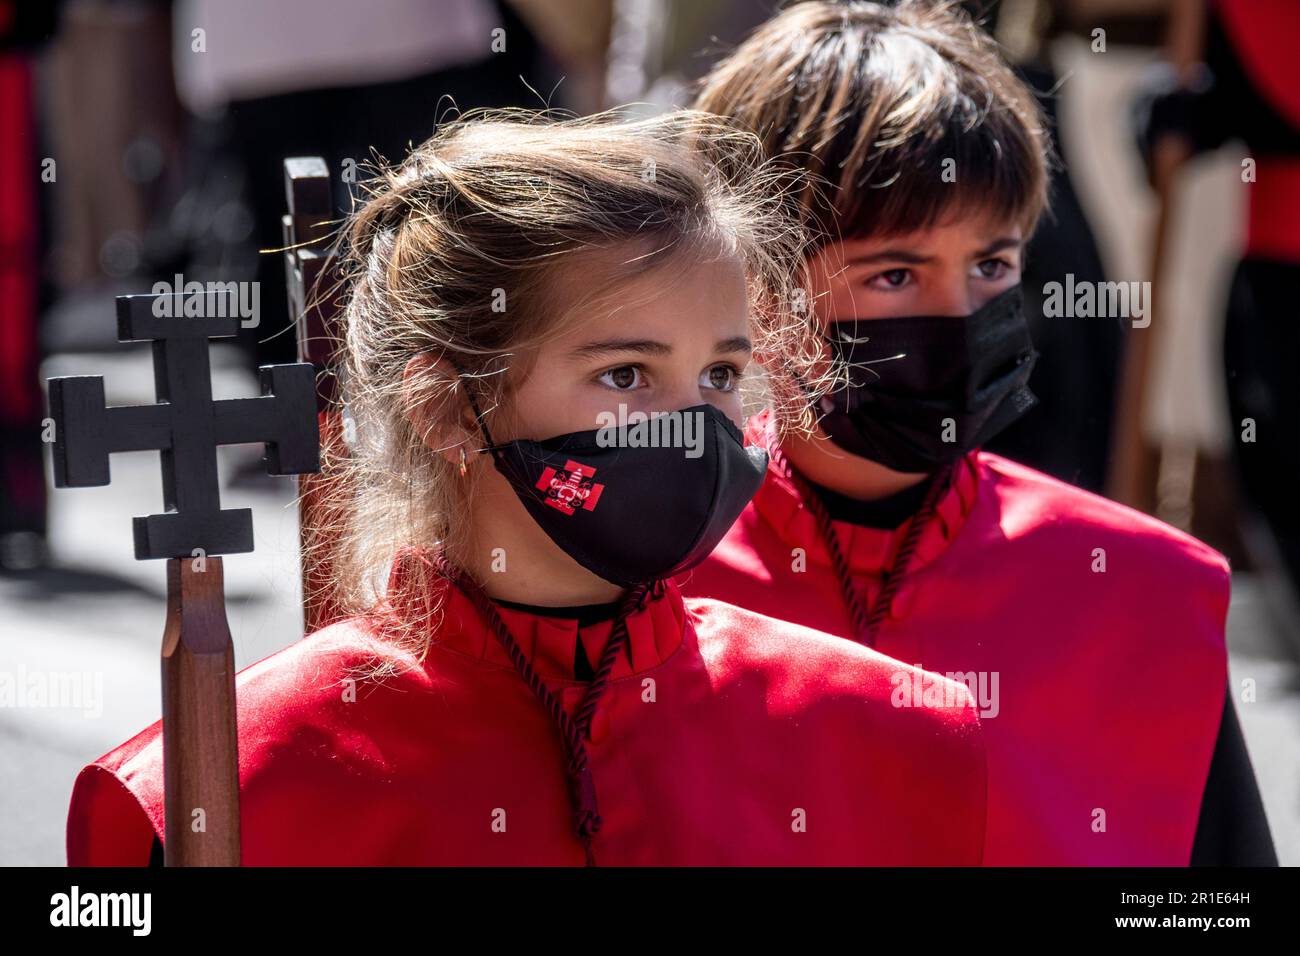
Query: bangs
[898, 118]
[954, 168]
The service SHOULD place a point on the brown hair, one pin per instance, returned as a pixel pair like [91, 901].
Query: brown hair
[872, 100]
[456, 254]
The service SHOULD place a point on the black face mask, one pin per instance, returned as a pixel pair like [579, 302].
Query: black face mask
[632, 515]
[925, 390]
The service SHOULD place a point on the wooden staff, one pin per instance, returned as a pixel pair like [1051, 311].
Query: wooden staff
[200, 743]
[200, 748]
[311, 275]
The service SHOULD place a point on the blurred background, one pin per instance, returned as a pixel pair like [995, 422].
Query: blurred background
[141, 140]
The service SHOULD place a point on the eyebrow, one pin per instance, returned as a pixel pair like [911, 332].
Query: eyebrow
[736, 343]
[916, 259]
[997, 245]
[891, 255]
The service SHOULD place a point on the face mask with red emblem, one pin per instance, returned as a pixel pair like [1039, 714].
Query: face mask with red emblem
[628, 512]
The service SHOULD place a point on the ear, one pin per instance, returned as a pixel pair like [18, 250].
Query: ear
[436, 407]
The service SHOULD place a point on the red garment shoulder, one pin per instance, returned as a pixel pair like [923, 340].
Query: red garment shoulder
[117, 800]
[858, 701]
[1035, 502]
[801, 664]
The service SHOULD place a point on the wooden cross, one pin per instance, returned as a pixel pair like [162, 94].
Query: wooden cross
[200, 750]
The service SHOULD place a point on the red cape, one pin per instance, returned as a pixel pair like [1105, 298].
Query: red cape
[724, 738]
[1110, 684]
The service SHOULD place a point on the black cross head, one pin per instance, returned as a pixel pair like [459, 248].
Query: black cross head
[186, 426]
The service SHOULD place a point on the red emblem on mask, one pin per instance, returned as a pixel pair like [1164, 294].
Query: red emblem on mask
[571, 488]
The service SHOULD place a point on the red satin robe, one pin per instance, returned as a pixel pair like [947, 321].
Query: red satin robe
[1109, 683]
[723, 738]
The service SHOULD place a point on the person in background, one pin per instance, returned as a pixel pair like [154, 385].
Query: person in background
[23, 27]
[1247, 91]
[1092, 634]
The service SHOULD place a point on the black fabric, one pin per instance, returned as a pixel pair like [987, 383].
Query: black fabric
[1232, 829]
[582, 669]
[156, 852]
[923, 390]
[885, 513]
[585, 614]
[29, 26]
[1260, 342]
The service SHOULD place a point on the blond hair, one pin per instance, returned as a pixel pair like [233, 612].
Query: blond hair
[490, 210]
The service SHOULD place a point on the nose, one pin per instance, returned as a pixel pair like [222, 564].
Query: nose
[685, 394]
[951, 297]
[688, 394]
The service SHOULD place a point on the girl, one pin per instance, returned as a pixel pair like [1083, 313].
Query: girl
[532, 688]
[1092, 635]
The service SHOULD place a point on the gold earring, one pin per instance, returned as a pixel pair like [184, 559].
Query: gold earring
[462, 463]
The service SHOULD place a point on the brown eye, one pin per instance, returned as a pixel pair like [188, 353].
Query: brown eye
[623, 378]
[992, 268]
[891, 279]
[720, 377]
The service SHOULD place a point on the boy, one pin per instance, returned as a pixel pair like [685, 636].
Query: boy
[1092, 635]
